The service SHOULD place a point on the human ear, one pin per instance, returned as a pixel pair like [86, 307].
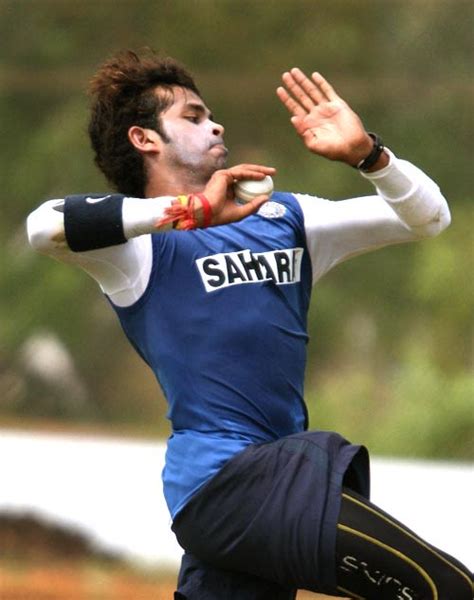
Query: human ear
[144, 140]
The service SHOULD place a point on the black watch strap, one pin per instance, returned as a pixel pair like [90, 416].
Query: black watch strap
[372, 158]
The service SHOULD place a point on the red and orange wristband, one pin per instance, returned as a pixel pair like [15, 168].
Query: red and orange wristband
[182, 213]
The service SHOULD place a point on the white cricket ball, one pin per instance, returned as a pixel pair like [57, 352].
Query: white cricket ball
[247, 189]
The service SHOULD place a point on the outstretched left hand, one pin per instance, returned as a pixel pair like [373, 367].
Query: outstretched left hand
[325, 122]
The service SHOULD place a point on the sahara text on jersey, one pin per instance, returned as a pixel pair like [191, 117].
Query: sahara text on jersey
[234, 268]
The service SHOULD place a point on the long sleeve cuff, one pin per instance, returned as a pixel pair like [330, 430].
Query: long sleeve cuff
[393, 182]
[415, 197]
[140, 215]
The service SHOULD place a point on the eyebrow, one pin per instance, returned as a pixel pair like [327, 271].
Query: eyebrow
[199, 108]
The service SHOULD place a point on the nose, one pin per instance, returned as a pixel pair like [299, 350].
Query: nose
[218, 129]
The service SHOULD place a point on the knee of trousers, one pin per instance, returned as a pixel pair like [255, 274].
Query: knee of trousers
[452, 584]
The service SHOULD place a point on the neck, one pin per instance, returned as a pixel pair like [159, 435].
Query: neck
[174, 183]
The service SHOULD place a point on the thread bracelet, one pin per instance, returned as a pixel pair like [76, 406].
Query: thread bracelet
[182, 213]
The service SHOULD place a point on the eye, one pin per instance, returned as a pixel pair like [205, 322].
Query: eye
[192, 118]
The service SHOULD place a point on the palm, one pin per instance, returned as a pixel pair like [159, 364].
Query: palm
[325, 122]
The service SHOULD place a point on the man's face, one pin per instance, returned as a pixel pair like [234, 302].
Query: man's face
[195, 141]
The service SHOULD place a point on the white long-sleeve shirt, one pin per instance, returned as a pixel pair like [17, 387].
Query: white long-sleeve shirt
[407, 206]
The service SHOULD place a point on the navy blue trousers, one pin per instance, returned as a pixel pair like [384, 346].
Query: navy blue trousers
[294, 514]
[271, 513]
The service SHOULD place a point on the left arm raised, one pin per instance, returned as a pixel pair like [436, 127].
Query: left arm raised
[408, 206]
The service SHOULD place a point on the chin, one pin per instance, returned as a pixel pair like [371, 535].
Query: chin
[215, 166]
[222, 160]
[210, 167]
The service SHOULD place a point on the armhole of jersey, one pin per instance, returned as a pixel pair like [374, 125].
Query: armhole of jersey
[290, 201]
[295, 205]
[144, 282]
[308, 203]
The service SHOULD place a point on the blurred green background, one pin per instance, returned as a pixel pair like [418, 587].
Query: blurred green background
[390, 357]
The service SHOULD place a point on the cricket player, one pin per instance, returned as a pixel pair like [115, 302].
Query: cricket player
[214, 296]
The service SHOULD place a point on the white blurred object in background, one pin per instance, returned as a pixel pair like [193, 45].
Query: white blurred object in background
[111, 490]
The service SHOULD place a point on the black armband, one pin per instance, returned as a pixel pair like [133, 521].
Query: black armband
[93, 221]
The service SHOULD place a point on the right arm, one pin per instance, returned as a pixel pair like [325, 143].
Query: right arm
[122, 271]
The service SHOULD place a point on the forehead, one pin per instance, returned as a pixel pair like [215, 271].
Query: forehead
[181, 99]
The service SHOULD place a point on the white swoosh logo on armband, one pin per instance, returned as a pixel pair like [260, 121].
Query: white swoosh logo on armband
[95, 200]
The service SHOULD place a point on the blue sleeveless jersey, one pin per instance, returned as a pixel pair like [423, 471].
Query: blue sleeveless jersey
[222, 324]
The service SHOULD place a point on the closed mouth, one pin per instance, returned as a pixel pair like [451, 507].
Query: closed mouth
[220, 145]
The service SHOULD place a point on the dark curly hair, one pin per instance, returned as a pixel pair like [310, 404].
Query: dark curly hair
[123, 95]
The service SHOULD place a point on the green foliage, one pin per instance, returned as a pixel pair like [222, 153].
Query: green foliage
[412, 410]
[391, 351]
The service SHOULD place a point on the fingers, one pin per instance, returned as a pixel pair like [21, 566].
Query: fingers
[223, 180]
[293, 107]
[219, 190]
[244, 210]
[248, 171]
[325, 86]
[232, 212]
[298, 124]
[252, 167]
[301, 94]
[302, 89]
[236, 212]
[309, 139]
[316, 94]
